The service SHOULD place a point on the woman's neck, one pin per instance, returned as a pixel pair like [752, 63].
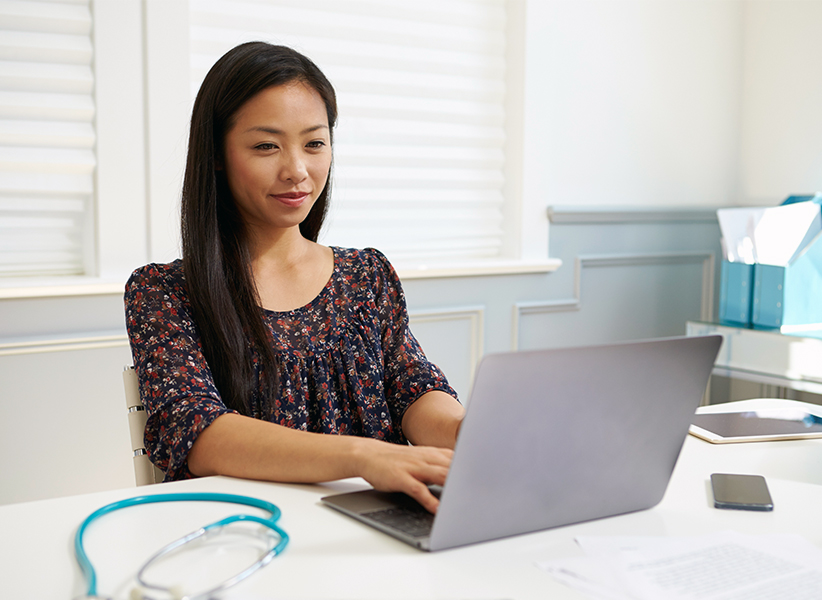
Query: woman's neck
[289, 270]
[278, 249]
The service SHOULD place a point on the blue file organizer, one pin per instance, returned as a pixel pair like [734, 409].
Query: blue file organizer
[789, 296]
[784, 297]
[736, 293]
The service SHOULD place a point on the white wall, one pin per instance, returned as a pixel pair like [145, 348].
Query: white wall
[632, 102]
[672, 102]
[781, 132]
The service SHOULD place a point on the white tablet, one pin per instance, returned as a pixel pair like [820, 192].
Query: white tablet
[756, 426]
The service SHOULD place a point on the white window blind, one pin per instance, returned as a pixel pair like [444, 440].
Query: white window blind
[418, 168]
[46, 136]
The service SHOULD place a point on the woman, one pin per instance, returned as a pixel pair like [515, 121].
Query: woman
[261, 341]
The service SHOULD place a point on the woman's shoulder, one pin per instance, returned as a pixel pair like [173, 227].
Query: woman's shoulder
[366, 260]
[167, 277]
[367, 270]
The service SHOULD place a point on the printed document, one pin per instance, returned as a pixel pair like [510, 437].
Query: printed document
[724, 566]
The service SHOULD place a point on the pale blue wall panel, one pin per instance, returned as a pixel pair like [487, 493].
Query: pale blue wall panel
[619, 303]
[63, 423]
[22, 318]
[453, 341]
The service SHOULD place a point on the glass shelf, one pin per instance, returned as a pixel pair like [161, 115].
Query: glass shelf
[767, 356]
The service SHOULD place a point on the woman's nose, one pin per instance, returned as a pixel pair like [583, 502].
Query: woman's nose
[293, 168]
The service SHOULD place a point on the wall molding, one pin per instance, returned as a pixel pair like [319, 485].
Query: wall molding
[475, 316]
[60, 289]
[576, 215]
[706, 259]
[63, 344]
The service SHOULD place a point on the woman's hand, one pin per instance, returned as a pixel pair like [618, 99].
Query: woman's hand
[409, 469]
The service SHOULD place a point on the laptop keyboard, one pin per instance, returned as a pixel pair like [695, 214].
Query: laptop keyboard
[411, 520]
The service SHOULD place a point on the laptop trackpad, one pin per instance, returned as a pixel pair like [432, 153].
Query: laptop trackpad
[370, 500]
[392, 512]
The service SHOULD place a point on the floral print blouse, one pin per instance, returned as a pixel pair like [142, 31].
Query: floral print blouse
[349, 364]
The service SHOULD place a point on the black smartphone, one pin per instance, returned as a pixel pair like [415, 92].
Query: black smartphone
[743, 492]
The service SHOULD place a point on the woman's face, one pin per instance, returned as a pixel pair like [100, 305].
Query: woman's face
[277, 156]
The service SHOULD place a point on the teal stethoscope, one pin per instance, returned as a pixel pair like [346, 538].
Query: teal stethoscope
[270, 523]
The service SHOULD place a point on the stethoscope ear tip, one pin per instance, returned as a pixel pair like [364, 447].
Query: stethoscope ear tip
[136, 593]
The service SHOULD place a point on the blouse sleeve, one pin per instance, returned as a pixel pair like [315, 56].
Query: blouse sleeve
[408, 373]
[176, 385]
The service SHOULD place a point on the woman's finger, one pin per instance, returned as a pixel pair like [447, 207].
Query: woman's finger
[420, 492]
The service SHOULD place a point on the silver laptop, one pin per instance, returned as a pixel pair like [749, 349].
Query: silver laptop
[555, 437]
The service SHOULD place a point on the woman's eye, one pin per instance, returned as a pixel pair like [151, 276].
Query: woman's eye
[265, 146]
[316, 144]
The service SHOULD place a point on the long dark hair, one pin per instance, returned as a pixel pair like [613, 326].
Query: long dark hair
[216, 259]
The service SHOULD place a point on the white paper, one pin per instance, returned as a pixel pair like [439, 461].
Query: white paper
[590, 576]
[768, 235]
[737, 225]
[784, 231]
[723, 566]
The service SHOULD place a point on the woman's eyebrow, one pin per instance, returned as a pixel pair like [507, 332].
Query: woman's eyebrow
[274, 131]
[313, 129]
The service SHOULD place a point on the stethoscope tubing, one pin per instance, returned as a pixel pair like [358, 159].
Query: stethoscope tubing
[271, 522]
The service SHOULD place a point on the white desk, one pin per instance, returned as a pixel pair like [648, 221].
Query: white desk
[331, 556]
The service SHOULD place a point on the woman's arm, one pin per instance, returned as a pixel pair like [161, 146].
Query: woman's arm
[240, 446]
[430, 419]
[176, 386]
[433, 420]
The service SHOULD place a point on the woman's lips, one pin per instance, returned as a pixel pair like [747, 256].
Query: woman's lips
[292, 199]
